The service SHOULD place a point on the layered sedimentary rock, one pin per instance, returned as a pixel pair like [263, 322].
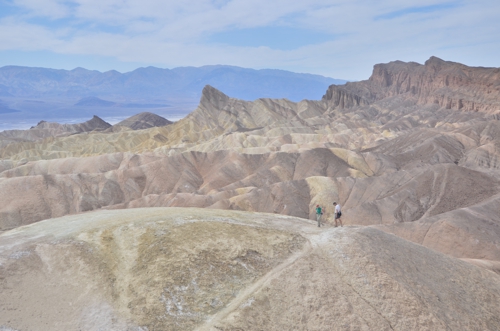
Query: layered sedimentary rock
[447, 84]
[45, 189]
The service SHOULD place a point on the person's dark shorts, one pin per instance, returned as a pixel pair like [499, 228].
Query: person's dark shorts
[338, 215]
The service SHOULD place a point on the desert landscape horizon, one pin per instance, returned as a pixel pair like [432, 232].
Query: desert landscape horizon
[209, 222]
[31, 94]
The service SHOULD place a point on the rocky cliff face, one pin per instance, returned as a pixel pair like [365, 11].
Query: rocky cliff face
[340, 97]
[447, 84]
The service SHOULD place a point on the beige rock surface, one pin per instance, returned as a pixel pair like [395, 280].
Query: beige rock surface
[198, 269]
[471, 232]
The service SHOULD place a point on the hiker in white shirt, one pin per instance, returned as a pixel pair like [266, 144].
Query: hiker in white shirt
[338, 214]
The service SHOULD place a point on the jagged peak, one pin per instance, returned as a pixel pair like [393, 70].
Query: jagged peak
[434, 60]
[97, 118]
[144, 120]
[98, 122]
[209, 90]
[212, 96]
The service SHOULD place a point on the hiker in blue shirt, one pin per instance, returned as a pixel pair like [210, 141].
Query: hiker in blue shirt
[319, 212]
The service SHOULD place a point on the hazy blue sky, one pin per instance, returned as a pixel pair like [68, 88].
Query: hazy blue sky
[336, 38]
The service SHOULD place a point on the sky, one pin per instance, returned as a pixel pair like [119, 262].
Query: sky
[336, 38]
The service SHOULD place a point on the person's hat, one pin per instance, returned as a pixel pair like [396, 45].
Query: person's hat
[317, 205]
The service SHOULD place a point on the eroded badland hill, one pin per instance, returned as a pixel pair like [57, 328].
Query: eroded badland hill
[412, 154]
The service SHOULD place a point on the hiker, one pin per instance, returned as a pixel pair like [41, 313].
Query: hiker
[337, 213]
[319, 212]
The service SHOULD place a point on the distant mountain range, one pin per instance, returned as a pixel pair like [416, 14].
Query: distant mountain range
[34, 94]
[157, 83]
[97, 102]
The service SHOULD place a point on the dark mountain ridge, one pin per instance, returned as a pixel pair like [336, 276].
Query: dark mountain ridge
[151, 82]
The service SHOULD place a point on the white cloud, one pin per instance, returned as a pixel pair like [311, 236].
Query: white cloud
[174, 33]
[48, 8]
[16, 35]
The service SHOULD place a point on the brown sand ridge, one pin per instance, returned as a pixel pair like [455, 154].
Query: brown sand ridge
[413, 151]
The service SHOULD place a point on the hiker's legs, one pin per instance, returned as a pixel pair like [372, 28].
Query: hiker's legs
[318, 216]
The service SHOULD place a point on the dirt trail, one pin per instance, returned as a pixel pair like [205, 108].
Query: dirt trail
[313, 235]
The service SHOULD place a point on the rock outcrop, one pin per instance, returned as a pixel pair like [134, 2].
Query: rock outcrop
[144, 120]
[447, 84]
[45, 130]
[339, 97]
